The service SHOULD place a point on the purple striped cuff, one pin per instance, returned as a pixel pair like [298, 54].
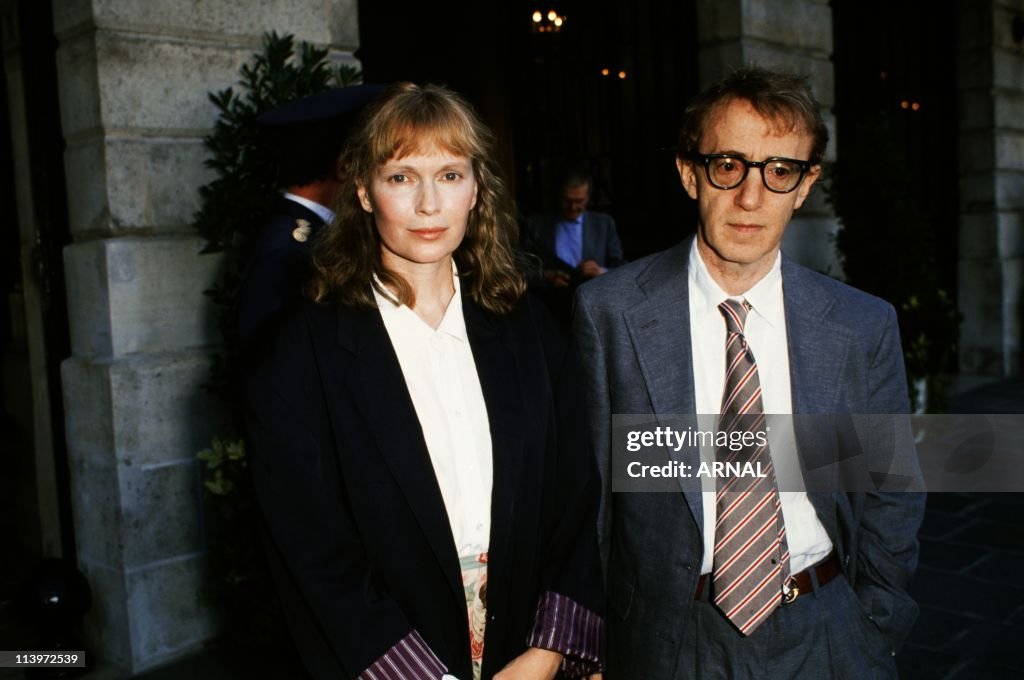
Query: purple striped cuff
[409, 659]
[570, 629]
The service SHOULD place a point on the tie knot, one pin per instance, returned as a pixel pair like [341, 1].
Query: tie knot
[735, 313]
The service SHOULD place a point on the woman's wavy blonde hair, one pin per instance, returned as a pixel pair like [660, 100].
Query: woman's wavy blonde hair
[409, 119]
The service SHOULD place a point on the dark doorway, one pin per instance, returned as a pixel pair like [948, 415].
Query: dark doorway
[895, 183]
[895, 62]
[604, 90]
[33, 324]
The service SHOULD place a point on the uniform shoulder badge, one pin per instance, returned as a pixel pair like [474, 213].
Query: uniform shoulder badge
[302, 231]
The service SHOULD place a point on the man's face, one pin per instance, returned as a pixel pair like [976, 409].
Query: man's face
[574, 200]
[740, 229]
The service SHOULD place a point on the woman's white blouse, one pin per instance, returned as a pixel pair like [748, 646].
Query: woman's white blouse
[441, 376]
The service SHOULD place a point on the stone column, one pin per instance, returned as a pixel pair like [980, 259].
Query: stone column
[990, 80]
[134, 78]
[792, 35]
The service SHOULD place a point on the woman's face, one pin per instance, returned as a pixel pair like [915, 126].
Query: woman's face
[421, 205]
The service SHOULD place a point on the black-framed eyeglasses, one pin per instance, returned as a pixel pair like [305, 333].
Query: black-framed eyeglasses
[780, 175]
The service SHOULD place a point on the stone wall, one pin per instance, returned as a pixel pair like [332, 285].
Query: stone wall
[134, 77]
[990, 80]
[734, 33]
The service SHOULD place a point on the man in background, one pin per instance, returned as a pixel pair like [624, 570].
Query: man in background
[575, 245]
[307, 137]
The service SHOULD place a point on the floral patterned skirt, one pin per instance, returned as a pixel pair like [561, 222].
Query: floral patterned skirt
[474, 580]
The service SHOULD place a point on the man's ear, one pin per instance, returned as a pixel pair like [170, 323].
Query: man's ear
[687, 175]
[804, 190]
[364, 197]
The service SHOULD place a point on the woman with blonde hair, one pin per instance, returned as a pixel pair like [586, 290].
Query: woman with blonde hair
[417, 436]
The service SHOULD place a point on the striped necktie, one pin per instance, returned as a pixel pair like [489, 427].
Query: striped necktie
[751, 560]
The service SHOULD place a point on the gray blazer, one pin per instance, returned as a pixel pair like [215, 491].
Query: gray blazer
[634, 332]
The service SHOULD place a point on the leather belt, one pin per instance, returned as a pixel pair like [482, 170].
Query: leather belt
[798, 584]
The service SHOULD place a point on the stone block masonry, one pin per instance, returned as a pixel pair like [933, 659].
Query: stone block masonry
[133, 79]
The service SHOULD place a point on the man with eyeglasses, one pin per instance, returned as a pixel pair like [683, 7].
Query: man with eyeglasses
[731, 577]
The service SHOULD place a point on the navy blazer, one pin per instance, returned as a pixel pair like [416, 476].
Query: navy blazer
[361, 545]
[633, 328]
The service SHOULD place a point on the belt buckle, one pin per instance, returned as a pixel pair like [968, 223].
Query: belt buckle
[790, 590]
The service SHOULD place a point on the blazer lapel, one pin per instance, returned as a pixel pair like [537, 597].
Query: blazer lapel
[817, 346]
[499, 381]
[659, 328]
[391, 416]
[818, 350]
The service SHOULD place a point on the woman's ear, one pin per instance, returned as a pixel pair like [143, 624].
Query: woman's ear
[364, 197]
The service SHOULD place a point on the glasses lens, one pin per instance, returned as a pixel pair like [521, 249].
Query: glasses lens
[726, 172]
[781, 175]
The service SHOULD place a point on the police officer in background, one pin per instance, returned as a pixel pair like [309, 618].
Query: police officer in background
[307, 137]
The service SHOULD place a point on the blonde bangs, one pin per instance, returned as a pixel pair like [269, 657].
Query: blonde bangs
[405, 126]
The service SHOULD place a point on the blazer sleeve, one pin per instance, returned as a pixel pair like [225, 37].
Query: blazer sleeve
[359, 632]
[533, 239]
[889, 521]
[598, 404]
[569, 614]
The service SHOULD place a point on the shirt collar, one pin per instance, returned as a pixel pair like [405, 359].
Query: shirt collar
[322, 211]
[765, 296]
[576, 222]
[453, 323]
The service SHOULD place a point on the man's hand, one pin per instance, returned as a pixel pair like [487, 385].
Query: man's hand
[590, 269]
[533, 664]
[557, 278]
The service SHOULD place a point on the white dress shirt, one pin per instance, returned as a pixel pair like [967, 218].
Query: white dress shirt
[322, 211]
[765, 332]
[441, 376]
